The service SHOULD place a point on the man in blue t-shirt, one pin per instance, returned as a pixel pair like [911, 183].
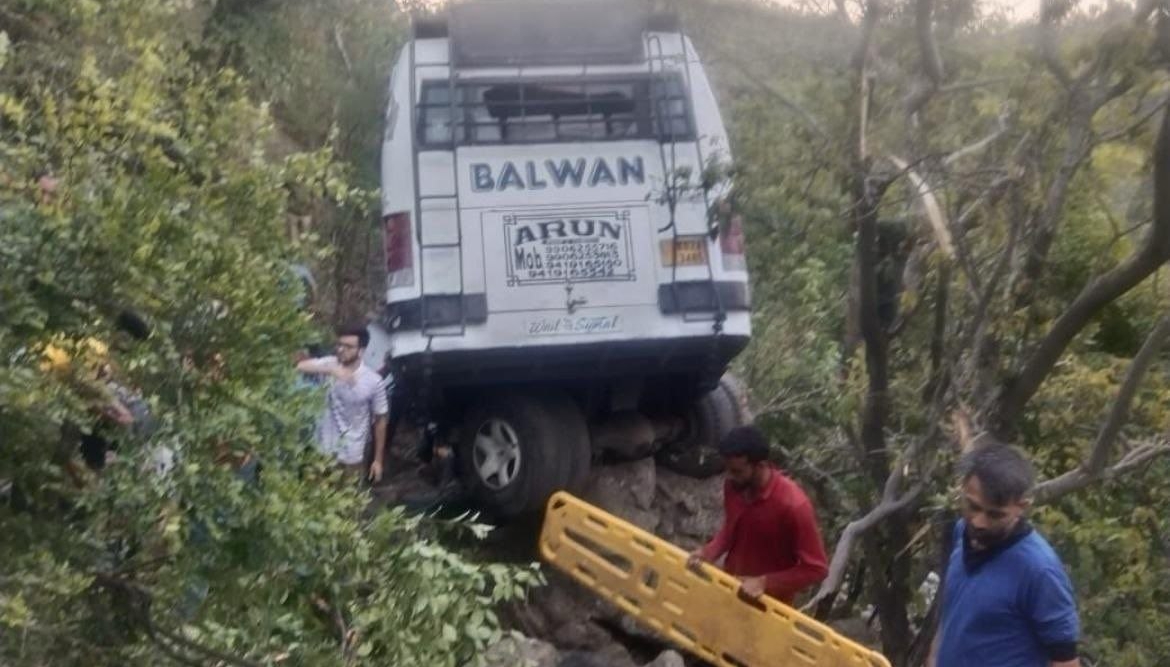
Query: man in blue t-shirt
[1006, 599]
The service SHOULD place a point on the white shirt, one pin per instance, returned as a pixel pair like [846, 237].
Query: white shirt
[350, 408]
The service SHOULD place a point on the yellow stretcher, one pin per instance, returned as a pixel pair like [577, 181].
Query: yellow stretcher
[701, 612]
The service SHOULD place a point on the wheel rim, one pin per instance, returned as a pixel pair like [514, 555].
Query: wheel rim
[496, 454]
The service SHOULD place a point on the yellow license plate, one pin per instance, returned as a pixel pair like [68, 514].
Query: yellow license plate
[687, 251]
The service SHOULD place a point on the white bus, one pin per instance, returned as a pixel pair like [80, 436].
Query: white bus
[566, 281]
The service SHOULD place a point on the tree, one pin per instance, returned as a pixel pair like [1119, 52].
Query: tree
[135, 176]
[967, 221]
[324, 67]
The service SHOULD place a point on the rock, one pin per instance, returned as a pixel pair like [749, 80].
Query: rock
[858, 630]
[689, 510]
[667, 659]
[633, 628]
[612, 655]
[626, 490]
[590, 631]
[564, 601]
[530, 619]
[616, 655]
[580, 659]
[520, 651]
[580, 635]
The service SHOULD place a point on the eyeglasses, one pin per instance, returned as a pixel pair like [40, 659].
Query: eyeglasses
[345, 346]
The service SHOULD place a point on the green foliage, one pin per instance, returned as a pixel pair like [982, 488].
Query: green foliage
[1113, 540]
[799, 261]
[171, 190]
[789, 96]
[324, 65]
[133, 175]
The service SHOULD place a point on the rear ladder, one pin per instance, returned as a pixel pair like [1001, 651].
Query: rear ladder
[656, 55]
[438, 237]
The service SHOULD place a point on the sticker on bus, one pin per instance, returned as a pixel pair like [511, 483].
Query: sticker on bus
[550, 248]
[573, 325]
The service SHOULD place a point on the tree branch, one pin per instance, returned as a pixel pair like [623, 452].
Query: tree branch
[1144, 9]
[1051, 11]
[803, 115]
[932, 66]
[139, 600]
[1119, 414]
[205, 651]
[979, 145]
[912, 277]
[938, 336]
[977, 83]
[993, 191]
[860, 64]
[1099, 293]
[1078, 120]
[930, 206]
[973, 341]
[931, 59]
[1075, 480]
[842, 11]
[1094, 467]
[337, 39]
[1129, 130]
[854, 530]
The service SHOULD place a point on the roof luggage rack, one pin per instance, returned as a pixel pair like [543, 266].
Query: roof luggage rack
[429, 26]
[544, 32]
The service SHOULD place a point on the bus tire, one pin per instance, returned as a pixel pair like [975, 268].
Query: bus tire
[696, 453]
[517, 449]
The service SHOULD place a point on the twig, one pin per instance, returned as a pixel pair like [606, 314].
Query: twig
[1075, 480]
[930, 206]
[1101, 291]
[979, 145]
[140, 600]
[206, 651]
[1130, 129]
[931, 59]
[959, 86]
[781, 402]
[337, 39]
[1050, 13]
[974, 340]
[1094, 467]
[854, 530]
[804, 116]
[932, 66]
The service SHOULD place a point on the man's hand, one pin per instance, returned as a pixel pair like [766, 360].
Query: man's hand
[118, 413]
[753, 587]
[343, 374]
[695, 560]
[375, 474]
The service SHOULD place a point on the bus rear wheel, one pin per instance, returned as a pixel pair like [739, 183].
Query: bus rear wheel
[696, 452]
[518, 448]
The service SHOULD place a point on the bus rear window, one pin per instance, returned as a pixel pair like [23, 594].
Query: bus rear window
[520, 112]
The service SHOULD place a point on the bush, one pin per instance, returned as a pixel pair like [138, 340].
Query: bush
[133, 177]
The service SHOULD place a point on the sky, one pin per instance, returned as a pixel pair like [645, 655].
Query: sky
[1020, 10]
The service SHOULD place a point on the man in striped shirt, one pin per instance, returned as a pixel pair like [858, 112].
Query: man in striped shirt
[355, 399]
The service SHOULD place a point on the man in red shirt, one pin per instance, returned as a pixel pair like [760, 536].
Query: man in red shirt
[769, 531]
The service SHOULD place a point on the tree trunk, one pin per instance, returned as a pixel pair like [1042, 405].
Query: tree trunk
[889, 585]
